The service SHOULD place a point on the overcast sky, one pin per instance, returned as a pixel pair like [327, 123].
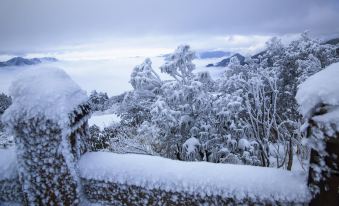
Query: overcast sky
[86, 28]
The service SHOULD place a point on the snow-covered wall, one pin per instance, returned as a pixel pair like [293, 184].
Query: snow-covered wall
[147, 179]
[118, 179]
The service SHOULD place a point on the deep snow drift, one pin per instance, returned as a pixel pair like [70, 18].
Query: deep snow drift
[226, 180]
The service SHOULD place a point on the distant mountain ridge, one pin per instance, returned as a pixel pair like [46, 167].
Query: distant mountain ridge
[226, 61]
[20, 61]
[212, 54]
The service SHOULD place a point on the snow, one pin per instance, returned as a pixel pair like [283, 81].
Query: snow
[243, 144]
[226, 180]
[103, 121]
[191, 145]
[43, 91]
[322, 87]
[330, 117]
[8, 169]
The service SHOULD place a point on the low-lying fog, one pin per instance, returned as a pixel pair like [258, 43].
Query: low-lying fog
[111, 76]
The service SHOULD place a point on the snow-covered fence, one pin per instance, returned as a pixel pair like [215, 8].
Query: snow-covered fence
[318, 98]
[130, 179]
[48, 118]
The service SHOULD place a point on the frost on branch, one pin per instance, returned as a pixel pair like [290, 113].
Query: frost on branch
[179, 65]
[47, 119]
[318, 98]
[144, 77]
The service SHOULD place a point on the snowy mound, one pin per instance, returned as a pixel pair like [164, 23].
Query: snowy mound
[196, 178]
[8, 169]
[323, 87]
[43, 91]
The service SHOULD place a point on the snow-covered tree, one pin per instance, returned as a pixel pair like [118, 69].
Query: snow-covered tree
[249, 116]
[99, 101]
[135, 107]
[6, 140]
[179, 64]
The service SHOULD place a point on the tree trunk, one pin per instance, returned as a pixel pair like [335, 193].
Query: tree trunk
[290, 155]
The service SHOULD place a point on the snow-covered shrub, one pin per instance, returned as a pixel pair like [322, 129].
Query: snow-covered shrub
[179, 64]
[98, 139]
[191, 149]
[99, 101]
[48, 119]
[254, 101]
[135, 107]
[5, 102]
[6, 140]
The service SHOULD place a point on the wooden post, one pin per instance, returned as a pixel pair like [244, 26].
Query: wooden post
[48, 119]
[328, 186]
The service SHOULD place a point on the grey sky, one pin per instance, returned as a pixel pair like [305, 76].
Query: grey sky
[36, 26]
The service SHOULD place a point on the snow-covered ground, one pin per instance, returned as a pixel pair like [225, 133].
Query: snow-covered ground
[111, 76]
[103, 120]
[226, 180]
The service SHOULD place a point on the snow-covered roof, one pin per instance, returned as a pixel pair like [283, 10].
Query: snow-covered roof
[196, 178]
[322, 87]
[43, 91]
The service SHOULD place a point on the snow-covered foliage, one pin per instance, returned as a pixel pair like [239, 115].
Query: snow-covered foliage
[5, 102]
[99, 101]
[144, 77]
[196, 178]
[179, 64]
[253, 102]
[6, 140]
[48, 119]
[135, 107]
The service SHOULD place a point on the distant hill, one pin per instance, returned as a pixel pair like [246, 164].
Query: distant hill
[20, 61]
[334, 41]
[212, 54]
[225, 62]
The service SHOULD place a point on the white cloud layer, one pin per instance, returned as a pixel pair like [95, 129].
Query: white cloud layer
[59, 27]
